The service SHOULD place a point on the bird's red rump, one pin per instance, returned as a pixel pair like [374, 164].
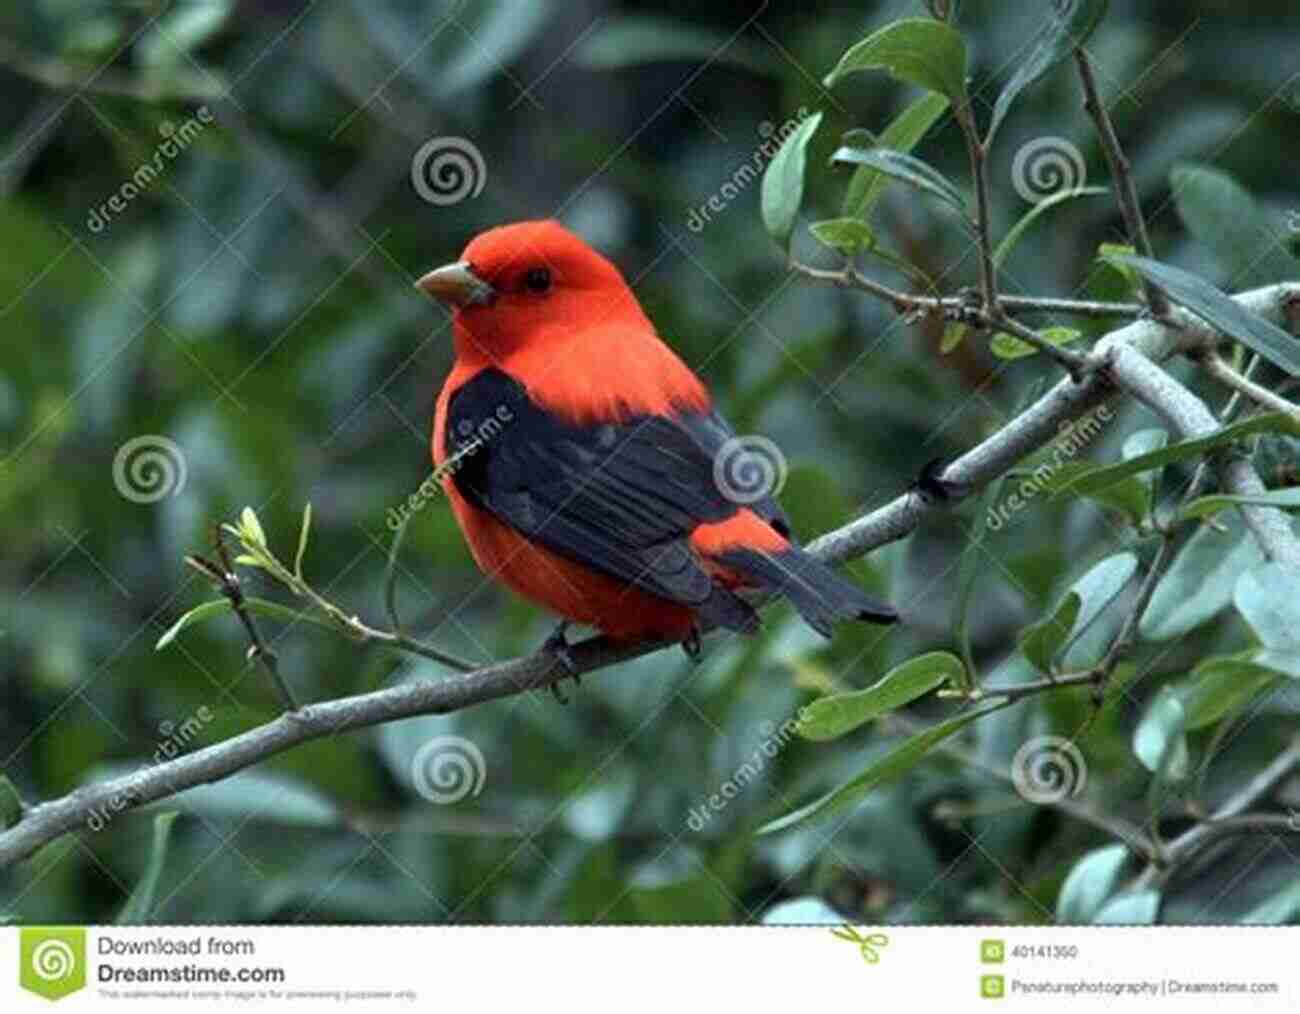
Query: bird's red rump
[744, 529]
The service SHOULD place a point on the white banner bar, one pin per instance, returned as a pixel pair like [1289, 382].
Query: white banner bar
[224, 968]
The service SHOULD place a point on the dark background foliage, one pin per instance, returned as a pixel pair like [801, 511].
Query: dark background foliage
[254, 305]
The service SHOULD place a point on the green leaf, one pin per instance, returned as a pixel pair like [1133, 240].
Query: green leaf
[953, 335]
[1222, 686]
[1129, 496]
[181, 30]
[303, 534]
[1068, 27]
[910, 170]
[1133, 908]
[11, 804]
[1099, 478]
[1160, 741]
[917, 50]
[1109, 254]
[635, 40]
[218, 607]
[887, 768]
[1284, 499]
[139, 906]
[782, 190]
[1044, 639]
[1224, 217]
[1221, 312]
[832, 717]
[1268, 596]
[1092, 880]
[1006, 346]
[1012, 237]
[903, 134]
[1199, 584]
[847, 235]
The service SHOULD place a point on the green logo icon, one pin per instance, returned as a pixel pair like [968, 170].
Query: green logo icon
[992, 987]
[993, 952]
[52, 960]
[868, 944]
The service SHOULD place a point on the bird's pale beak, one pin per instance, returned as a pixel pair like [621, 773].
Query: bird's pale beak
[456, 284]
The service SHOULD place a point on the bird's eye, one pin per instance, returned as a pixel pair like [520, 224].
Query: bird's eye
[538, 280]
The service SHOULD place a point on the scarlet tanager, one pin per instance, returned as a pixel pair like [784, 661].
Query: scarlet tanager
[578, 452]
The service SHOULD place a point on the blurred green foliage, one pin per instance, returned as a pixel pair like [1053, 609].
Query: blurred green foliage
[250, 301]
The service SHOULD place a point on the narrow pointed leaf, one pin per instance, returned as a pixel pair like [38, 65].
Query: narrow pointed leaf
[1285, 499]
[910, 170]
[1012, 237]
[1100, 478]
[903, 134]
[1068, 27]
[887, 768]
[1220, 311]
[832, 717]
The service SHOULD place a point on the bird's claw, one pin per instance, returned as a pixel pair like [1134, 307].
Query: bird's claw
[557, 646]
[691, 645]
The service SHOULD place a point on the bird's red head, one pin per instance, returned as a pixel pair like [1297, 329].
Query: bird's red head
[529, 284]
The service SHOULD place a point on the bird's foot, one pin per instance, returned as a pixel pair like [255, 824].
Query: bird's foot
[557, 646]
[931, 484]
[691, 645]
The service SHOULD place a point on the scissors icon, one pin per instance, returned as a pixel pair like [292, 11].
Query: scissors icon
[866, 944]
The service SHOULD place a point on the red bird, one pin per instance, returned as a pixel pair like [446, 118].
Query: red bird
[578, 452]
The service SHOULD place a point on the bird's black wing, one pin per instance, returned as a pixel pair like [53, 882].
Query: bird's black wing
[621, 498]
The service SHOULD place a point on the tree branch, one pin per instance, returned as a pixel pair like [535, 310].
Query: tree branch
[1032, 429]
[1122, 173]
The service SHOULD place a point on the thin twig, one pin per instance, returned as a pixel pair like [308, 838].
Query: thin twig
[227, 582]
[1122, 173]
[978, 156]
[955, 306]
[1214, 365]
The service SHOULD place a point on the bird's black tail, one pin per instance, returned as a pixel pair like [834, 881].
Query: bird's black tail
[822, 597]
